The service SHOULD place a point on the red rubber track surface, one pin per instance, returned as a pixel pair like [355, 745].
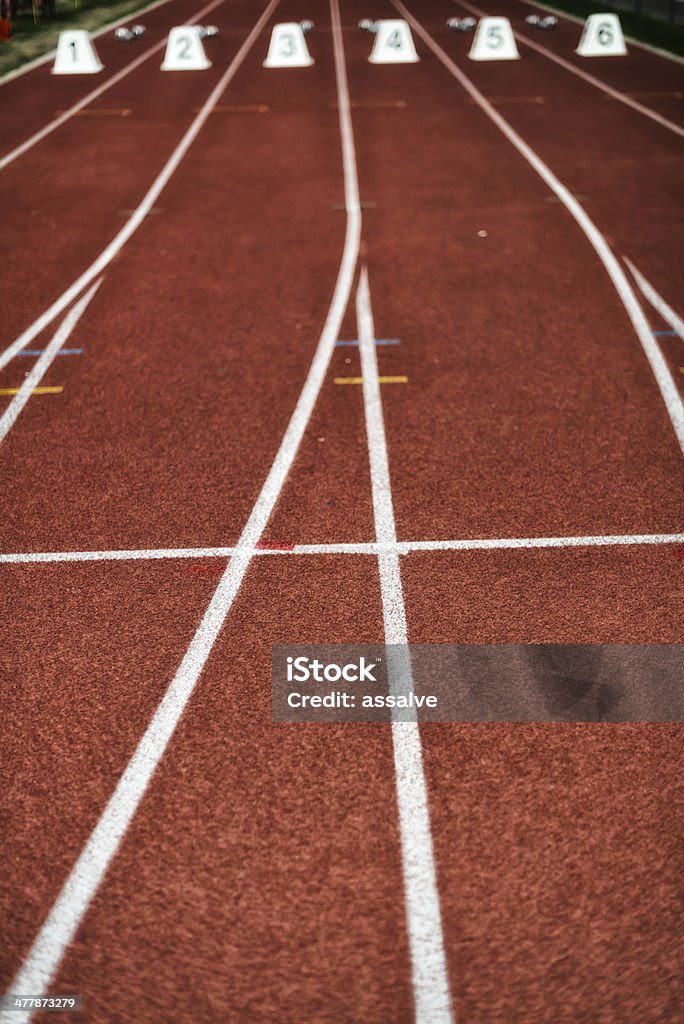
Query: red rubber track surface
[260, 879]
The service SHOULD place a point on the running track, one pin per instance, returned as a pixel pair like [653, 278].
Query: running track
[168, 852]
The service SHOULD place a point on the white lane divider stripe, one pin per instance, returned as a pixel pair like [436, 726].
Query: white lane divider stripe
[33, 379]
[72, 903]
[400, 547]
[72, 111]
[145, 205]
[657, 301]
[659, 367]
[591, 79]
[424, 920]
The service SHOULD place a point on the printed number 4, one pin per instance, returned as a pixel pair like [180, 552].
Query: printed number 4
[394, 40]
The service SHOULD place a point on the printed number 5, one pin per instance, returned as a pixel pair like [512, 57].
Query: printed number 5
[494, 37]
[605, 34]
[287, 45]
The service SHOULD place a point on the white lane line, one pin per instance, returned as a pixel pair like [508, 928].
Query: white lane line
[659, 367]
[33, 379]
[68, 114]
[146, 204]
[423, 914]
[109, 27]
[596, 82]
[657, 301]
[400, 547]
[72, 903]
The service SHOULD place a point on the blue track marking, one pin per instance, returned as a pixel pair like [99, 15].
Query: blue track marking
[62, 352]
[667, 334]
[378, 341]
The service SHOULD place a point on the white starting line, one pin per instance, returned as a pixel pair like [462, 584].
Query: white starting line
[409, 547]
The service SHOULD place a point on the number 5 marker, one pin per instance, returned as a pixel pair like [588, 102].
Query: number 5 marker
[494, 40]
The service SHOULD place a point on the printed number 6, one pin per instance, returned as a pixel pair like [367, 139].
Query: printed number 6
[494, 37]
[605, 34]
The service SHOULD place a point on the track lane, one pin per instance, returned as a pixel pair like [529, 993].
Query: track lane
[71, 224]
[34, 93]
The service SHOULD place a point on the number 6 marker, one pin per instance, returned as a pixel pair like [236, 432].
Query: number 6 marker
[602, 37]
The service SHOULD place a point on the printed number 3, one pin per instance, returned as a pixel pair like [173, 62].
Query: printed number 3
[287, 45]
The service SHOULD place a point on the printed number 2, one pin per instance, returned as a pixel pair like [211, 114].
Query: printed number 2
[605, 34]
[494, 37]
[394, 40]
[184, 48]
[287, 45]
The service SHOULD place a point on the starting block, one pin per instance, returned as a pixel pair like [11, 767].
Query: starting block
[602, 37]
[494, 40]
[393, 43]
[288, 47]
[76, 54]
[184, 50]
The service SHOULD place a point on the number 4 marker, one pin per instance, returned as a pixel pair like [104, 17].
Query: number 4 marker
[393, 44]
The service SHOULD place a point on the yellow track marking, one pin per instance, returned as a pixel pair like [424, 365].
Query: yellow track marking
[246, 108]
[373, 105]
[653, 95]
[98, 112]
[36, 391]
[498, 100]
[381, 380]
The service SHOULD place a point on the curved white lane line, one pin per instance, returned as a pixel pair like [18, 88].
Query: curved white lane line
[145, 205]
[657, 301]
[596, 82]
[68, 114]
[659, 367]
[72, 903]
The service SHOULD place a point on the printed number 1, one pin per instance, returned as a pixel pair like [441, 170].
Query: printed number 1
[74, 53]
